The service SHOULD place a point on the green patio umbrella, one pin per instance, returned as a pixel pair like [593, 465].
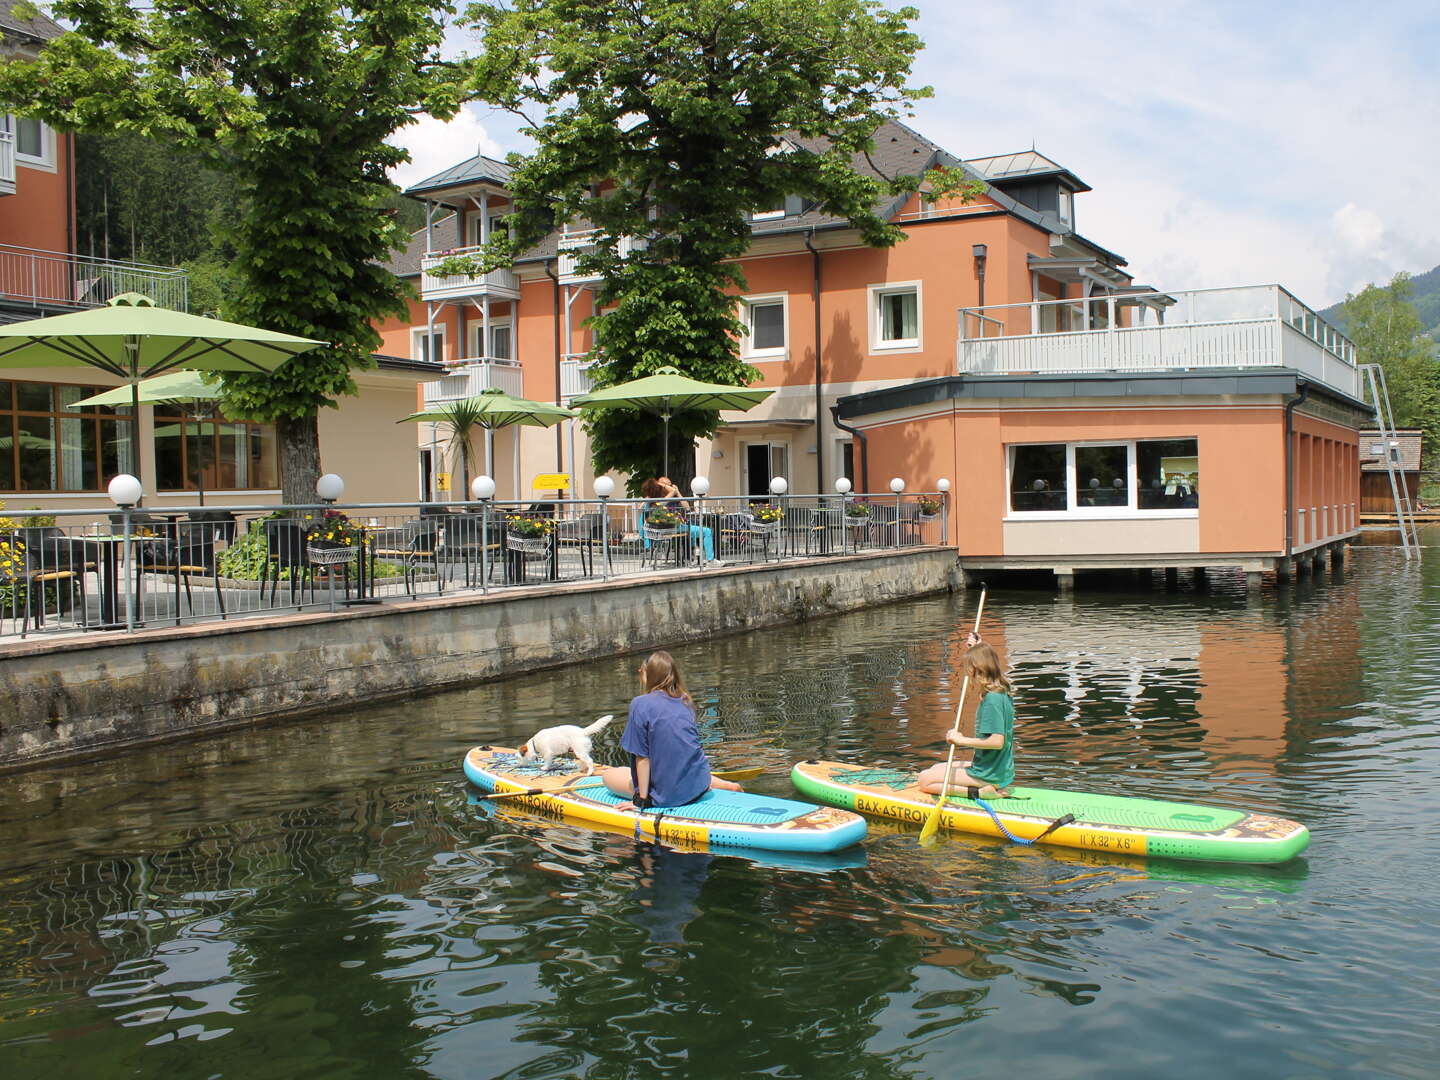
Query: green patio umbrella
[492, 409]
[668, 392]
[133, 339]
[189, 389]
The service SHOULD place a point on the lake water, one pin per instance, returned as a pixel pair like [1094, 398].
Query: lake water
[323, 900]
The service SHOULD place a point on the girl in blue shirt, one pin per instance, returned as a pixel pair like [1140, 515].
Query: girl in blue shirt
[667, 764]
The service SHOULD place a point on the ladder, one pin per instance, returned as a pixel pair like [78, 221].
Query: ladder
[1377, 395]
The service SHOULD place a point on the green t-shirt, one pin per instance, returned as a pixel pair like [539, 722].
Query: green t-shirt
[996, 716]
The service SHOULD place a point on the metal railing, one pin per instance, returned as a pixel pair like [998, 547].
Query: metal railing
[1259, 326]
[574, 244]
[122, 570]
[7, 162]
[575, 378]
[472, 376]
[55, 279]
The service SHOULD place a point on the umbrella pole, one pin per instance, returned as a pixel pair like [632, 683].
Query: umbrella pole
[134, 349]
[666, 417]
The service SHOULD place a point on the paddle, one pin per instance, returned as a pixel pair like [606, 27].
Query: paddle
[932, 823]
[724, 774]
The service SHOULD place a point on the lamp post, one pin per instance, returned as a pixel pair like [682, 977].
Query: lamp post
[482, 488]
[604, 488]
[897, 485]
[700, 487]
[842, 488]
[330, 487]
[778, 487]
[126, 492]
[943, 486]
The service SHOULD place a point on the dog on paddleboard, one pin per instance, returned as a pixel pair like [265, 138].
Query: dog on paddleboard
[551, 742]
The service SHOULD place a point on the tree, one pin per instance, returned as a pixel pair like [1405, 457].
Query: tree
[672, 121]
[293, 101]
[1387, 331]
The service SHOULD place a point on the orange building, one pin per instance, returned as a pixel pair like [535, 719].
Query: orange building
[1075, 411]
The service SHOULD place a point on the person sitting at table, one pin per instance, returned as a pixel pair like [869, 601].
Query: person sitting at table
[662, 492]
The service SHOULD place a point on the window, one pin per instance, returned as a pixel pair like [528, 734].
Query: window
[427, 345]
[895, 312]
[500, 340]
[771, 212]
[48, 445]
[473, 219]
[34, 142]
[1105, 479]
[1065, 209]
[212, 453]
[845, 459]
[764, 318]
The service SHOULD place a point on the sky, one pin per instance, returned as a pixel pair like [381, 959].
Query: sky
[1227, 143]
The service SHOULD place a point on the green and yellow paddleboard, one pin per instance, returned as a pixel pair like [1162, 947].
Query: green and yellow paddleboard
[1107, 823]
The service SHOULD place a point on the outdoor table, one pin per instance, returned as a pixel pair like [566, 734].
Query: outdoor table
[828, 522]
[104, 552]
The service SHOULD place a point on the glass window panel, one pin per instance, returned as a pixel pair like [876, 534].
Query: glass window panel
[1168, 472]
[898, 321]
[7, 395]
[170, 471]
[38, 463]
[1037, 478]
[1102, 476]
[262, 455]
[114, 449]
[29, 137]
[68, 395]
[7, 453]
[767, 325]
[72, 452]
[34, 397]
[500, 342]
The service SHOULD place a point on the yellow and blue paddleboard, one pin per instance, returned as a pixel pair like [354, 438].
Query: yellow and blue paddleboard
[1116, 824]
[717, 820]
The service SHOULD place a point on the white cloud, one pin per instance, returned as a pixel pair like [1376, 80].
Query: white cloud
[435, 145]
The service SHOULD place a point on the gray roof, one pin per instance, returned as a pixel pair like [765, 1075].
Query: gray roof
[471, 171]
[33, 25]
[1410, 440]
[898, 151]
[1025, 165]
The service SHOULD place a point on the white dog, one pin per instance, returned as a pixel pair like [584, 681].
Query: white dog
[551, 742]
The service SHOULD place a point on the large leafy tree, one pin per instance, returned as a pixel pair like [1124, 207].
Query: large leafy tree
[672, 121]
[1387, 331]
[292, 100]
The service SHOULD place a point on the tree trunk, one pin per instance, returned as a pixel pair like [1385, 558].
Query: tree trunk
[682, 461]
[299, 439]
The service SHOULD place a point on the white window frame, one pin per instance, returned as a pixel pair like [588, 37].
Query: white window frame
[472, 226]
[46, 159]
[771, 445]
[477, 329]
[1072, 512]
[417, 336]
[874, 293]
[769, 215]
[747, 348]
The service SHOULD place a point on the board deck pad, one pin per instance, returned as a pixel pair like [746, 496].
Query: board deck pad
[718, 818]
[1114, 823]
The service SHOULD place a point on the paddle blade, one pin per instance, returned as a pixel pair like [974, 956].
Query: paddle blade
[932, 823]
[738, 774]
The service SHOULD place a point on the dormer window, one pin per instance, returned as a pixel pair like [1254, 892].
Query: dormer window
[770, 213]
[1065, 207]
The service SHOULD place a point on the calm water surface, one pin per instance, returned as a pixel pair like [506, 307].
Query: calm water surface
[324, 901]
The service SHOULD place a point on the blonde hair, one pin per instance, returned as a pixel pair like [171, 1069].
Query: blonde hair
[660, 672]
[983, 664]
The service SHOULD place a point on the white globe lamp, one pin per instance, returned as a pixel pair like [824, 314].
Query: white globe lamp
[779, 486]
[482, 488]
[329, 487]
[700, 486]
[604, 487]
[125, 490]
[842, 486]
[942, 484]
[897, 485]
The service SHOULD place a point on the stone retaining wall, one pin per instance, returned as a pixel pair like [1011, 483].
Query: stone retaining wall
[64, 698]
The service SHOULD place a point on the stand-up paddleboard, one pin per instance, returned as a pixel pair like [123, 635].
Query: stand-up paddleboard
[1110, 823]
[718, 819]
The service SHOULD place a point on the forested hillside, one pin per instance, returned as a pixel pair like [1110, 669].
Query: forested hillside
[1426, 299]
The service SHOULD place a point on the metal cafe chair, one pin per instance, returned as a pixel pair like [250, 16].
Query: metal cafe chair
[37, 556]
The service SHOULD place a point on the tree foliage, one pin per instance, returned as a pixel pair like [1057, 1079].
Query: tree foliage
[1387, 331]
[672, 121]
[292, 100]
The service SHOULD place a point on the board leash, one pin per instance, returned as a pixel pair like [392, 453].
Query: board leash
[1065, 820]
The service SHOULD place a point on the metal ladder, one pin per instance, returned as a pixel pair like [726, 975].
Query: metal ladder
[1377, 395]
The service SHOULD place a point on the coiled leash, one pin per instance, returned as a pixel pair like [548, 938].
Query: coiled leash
[1065, 820]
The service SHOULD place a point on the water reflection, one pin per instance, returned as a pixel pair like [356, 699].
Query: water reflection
[327, 900]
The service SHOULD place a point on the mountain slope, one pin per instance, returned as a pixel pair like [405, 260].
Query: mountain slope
[1426, 299]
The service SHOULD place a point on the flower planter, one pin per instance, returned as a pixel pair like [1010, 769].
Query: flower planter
[329, 553]
[655, 535]
[926, 517]
[764, 526]
[527, 545]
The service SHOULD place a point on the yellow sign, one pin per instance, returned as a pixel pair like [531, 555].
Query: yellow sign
[552, 481]
[442, 481]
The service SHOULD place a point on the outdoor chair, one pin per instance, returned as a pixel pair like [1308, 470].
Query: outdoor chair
[663, 543]
[188, 548]
[882, 528]
[738, 534]
[43, 559]
[287, 550]
[908, 527]
[459, 541]
[584, 532]
[222, 523]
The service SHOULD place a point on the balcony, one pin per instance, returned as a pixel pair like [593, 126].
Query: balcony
[572, 245]
[575, 378]
[1255, 327]
[53, 279]
[7, 162]
[474, 375]
[499, 284]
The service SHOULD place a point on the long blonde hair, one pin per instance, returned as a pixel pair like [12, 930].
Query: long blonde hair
[983, 663]
[660, 672]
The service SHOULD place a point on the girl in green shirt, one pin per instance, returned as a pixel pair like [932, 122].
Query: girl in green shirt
[993, 768]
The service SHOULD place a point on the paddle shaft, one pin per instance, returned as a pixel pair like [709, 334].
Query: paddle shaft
[723, 774]
[934, 821]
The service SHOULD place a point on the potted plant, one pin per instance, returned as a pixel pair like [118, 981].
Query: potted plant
[929, 509]
[330, 537]
[662, 519]
[858, 509]
[766, 518]
[528, 534]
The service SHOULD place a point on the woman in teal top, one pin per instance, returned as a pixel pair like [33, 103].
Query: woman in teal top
[994, 743]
